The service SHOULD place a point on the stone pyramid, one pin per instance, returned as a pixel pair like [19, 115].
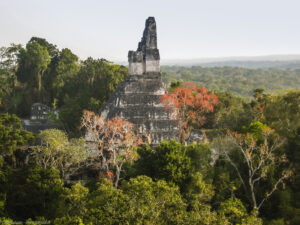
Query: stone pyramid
[137, 99]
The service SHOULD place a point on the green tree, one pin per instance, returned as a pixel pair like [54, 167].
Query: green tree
[75, 220]
[169, 161]
[153, 202]
[33, 62]
[139, 201]
[282, 113]
[106, 205]
[63, 68]
[37, 221]
[89, 90]
[12, 136]
[7, 221]
[236, 213]
[33, 192]
[254, 156]
[231, 113]
[75, 201]
[56, 151]
[52, 49]
[9, 98]
[174, 85]
[179, 165]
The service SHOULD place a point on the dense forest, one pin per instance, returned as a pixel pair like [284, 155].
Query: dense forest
[237, 80]
[42, 73]
[245, 171]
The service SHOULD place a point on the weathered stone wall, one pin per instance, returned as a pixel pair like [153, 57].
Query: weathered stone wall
[146, 57]
[152, 66]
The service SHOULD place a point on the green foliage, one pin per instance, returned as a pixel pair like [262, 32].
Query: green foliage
[198, 191]
[33, 192]
[75, 201]
[12, 135]
[233, 209]
[56, 151]
[38, 221]
[42, 73]
[168, 161]
[225, 182]
[64, 68]
[52, 50]
[282, 113]
[258, 129]
[236, 213]
[257, 160]
[7, 221]
[70, 116]
[276, 222]
[204, 215]
[8, 80]
[231, 113]
[107, 205]
[89, 89]
[179, 165]
[153, 202]
[201, 158]
[69, 221]
[174, 85]
[239, 81]
[140, 201]
[33, 62]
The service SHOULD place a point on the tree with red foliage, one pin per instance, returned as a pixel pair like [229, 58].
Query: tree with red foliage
[115, 139]
[189, 104]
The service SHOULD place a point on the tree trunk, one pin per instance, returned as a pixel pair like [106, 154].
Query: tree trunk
[118, 171]
[253, 194]
[40, 85]
[39, 82]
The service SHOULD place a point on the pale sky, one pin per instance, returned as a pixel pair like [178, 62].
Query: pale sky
[186, 29]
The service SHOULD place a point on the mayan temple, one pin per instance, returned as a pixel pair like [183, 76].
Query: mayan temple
[137, 99]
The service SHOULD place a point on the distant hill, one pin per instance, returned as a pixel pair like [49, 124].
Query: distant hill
[256, 64]
[272, 61]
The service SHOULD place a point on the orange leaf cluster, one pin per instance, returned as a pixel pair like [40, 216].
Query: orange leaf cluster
[111, 134]
[190, 103]
[109, 175]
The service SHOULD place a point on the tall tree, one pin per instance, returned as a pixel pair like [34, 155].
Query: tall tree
[8, 79]
[56, 151]
[258, 153]
[63, 68]
[115, 140]
[33, 62]
[12, 135]
[51, 48]
[190, 105]
[89, 89]
[33, 192]
[231, 113]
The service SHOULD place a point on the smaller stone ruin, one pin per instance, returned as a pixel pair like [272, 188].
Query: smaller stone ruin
[40, 111]
[39, 118]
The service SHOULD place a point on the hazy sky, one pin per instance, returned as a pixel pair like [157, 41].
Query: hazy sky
[186, 28]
